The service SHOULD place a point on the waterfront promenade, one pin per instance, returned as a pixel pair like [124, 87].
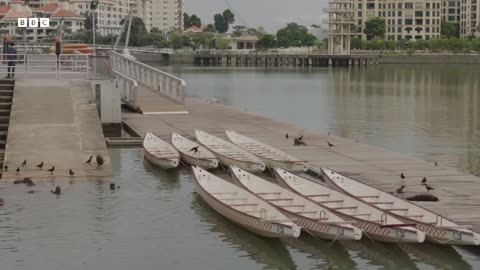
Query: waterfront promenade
[457, 191]
[54, 121]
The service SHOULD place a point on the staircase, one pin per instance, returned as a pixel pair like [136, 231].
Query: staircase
[6, 95]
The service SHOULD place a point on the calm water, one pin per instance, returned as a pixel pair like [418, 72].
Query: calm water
[156, 221]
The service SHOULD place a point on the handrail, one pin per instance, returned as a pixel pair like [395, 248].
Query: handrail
[128, 92]
[154, 79]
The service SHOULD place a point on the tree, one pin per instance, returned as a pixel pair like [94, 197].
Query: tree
[391, 44]
[223, 44]
[448, 30]
[220, 24]
[267, 41]
[179, 40]
[375, 28]
[356, 43]
[238, 30]
[155, 30]
[89, 20]
[295, 35]
[137, 30]
[475, 44]
[194, 20]
[210, 28]
[186, 21]
[228, 16]
[420, 45]
[203, 40]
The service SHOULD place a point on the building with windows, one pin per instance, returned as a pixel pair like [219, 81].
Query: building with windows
[416, 19]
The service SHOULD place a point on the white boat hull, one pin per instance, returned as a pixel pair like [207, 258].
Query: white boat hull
[291, 167]
[255, 225]
[162, 163]
[204, 163]
[245, 165]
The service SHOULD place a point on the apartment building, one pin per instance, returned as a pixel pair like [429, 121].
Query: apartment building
[404, 19]
[167, 14]
[451, 11]
[469, 18]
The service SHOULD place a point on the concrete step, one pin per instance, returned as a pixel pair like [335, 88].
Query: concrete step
[6, 92]
[6, 87]
[6, 99]
[7, 81]
[5, 105]
[3, 126]
[4, 119]
[2, 146]
[5, 112]
[3, 135]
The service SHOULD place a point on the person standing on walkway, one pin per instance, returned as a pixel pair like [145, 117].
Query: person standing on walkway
[12, 60]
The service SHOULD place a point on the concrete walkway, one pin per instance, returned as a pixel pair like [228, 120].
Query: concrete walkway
[52, 121]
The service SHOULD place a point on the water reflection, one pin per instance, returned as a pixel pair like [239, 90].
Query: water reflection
[170, 178]
[327, 254]
[386, 255]
[269, 252]
[439, 256]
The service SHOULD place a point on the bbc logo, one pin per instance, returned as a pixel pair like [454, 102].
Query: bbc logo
[34, 22]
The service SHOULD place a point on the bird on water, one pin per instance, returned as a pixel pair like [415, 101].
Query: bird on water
[40, 166]
[57, 190]
[400, 189]
[100, 161]
[71, 173]
[51, 170]
[424, 180]
[24, 163]
[298, 142]
[89, 161]
[330, 145]
[428, 187]
[194, 149]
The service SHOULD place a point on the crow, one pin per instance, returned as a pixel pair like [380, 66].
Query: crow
[436, 163]
[286, 136]
[300, 138]
[18, 170]
[89, 161]
[24, 163]
[51, 170]
[400, 190]
[100, 160]
[194, 149]
[57, 191]
[71, 173]
[330, 145]
[40, 166]
[402, 176]
[424, 180]
[298, 142]
[5, 169]
[428, 187]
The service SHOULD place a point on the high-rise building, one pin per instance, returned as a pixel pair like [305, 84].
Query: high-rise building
[469, 18]
[167, 15]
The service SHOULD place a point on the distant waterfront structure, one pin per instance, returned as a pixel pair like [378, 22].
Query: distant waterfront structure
[318, 31]
[340, 24]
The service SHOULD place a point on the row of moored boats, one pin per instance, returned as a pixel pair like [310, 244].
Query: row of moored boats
[347, 211]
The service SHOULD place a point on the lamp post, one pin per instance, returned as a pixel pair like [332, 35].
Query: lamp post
[93, 7]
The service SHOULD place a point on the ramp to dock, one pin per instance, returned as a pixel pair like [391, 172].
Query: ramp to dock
[54, 121]
[149, 102]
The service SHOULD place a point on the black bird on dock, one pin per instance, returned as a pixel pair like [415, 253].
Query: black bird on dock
[51, 170]
[300, 138]
[71, 173]
[424, 180]
[194, 149]
[286, 136]
[57, 190]
[100, 161]
[330, 145]
[113, 186]
[24, 163]
[402, 176]
[89, 161]
[298, 142]
[40, 166]
[18, 170]
[400, 190]
[5, 168]
[428, 187]
[436, 163]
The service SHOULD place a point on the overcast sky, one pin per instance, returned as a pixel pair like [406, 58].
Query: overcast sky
[271, 14]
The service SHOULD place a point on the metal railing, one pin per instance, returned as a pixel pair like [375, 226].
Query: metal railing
[161, 82]
[128, 88]
[49, 66]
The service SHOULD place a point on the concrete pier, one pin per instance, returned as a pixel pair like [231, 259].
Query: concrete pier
[55, 121]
